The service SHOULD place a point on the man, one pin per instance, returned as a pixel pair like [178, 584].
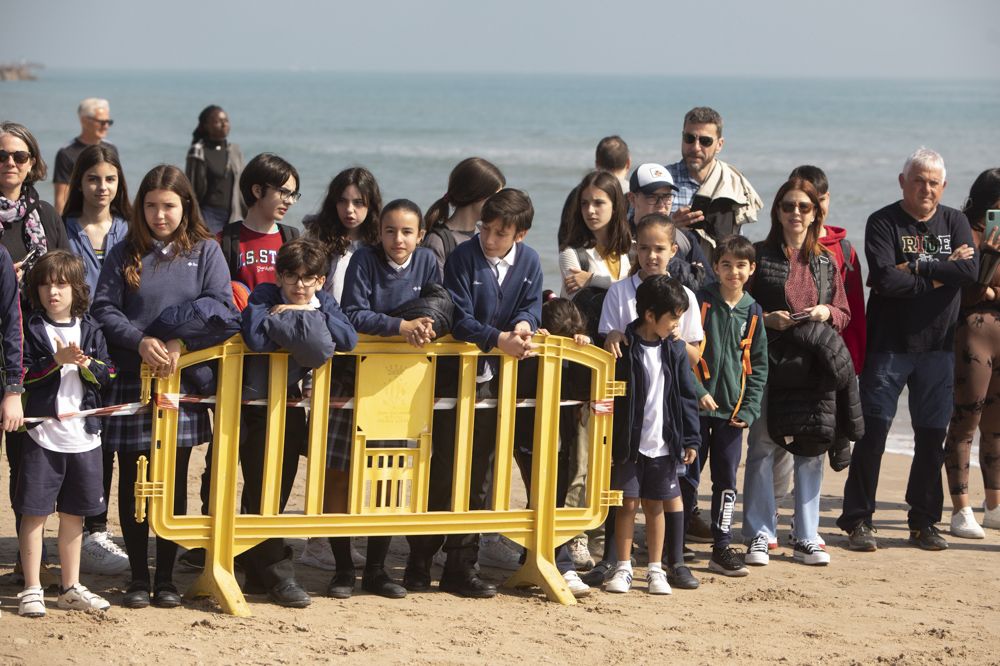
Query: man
[920, 254]
[95, 121]
[713, 199]
[612, 155]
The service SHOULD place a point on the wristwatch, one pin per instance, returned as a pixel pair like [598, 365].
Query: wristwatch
[14, 388]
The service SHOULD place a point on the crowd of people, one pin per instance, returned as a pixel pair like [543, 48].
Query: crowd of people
[720, 341]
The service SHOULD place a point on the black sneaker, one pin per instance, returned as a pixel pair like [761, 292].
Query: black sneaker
[928, 538]
[596, 576]
[192, 560]
[698, 531]
[862, 538]
[728, 562]
[680, 577]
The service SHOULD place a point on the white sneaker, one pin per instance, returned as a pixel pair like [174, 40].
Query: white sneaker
[991, 517]
[317, 554]
[819, 541]
[494, 552]
[757, 551]
[964, 525]
[620, 581]
[656, 581]
[79, 597]
[576, 586]
[101, 555]
[809, 552]
[579, 552]
[31, 602]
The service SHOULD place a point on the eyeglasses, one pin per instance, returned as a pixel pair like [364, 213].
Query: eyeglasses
[287, 195]
[657, 199]
[805, 207]
[104, 123]
[307, 280]
[20, 156]
[703, 140]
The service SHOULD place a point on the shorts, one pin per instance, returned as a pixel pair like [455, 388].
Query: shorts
[648, 478]
[71, 483]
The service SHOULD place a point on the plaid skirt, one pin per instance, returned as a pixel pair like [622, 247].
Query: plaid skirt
[134, 432]
[338, 435]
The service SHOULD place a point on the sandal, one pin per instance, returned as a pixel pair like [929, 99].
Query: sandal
[31, 602]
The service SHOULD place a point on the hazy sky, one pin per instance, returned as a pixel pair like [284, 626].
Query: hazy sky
[850, 38]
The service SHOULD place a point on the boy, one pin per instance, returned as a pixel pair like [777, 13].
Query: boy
[656, 429]
[732, 373]
[301, 318]
[496, 283]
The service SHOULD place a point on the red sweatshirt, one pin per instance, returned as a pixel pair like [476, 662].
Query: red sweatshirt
[850, 271]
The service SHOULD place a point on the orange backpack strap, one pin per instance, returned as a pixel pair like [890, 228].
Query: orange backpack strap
[702, 365]
[745, 345]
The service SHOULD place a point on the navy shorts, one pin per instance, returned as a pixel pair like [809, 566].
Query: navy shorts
[71, 483]
[648, 478]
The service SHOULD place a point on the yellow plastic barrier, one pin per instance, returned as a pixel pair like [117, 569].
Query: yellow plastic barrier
[394, 400]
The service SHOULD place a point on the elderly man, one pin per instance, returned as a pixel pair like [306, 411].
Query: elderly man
[920, 254]
[713, 198]
[95, 121]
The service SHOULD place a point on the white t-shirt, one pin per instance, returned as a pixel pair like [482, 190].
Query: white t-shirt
[619, 311]
[651, 443]
[66, 436]
[598, 267]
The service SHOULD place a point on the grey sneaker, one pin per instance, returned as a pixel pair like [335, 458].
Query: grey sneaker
[862, 538]
[928, 538]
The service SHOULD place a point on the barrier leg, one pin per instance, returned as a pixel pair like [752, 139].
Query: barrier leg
[218, 582]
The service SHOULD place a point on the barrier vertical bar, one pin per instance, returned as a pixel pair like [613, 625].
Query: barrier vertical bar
[319, 425]
[277, 409]
[506, 409]
[465, 409]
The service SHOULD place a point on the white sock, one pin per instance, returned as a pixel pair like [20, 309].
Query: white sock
[656, 566]
[627, 565]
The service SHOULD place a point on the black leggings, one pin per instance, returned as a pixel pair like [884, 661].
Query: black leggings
[137, 534]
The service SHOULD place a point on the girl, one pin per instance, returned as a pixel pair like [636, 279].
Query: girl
[213, 167]
[379, 280]
[595, 252]
[471, 183]
[67, 365]
[976, 346]
[168, 258]
[96, 217]
[347, 221]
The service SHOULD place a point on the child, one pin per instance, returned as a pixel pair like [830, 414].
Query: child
[496, 283]
[168, 258]
[96, 216]
[299, 317]
[657, 430]
[379, 280]
[732, 374]
[472, 181]
[67, 366]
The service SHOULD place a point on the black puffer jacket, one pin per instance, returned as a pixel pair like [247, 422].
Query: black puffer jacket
[812, 391]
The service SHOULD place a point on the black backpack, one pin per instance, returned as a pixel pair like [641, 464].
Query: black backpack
[231, 243]
[447, 238]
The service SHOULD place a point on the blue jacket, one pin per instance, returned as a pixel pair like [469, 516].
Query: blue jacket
[681, 426]
[372, 288]
[484, 307]
[43, 375]
[79, 243]
[10, 321]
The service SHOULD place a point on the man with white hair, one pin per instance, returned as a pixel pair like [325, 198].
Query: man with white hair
[95, 121]
[920, 254]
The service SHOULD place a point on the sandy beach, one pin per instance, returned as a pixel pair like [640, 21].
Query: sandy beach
[899, 605]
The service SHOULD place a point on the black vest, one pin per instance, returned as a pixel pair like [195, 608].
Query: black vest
[772, 273]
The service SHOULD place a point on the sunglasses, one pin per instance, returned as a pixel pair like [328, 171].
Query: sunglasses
[287, 195]
[20, 156]
[104, 123]
[703, 141]
[804, 207]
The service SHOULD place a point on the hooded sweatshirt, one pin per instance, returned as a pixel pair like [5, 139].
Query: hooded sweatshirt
[855, 334]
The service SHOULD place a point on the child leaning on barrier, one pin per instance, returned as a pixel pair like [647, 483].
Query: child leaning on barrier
[62, 465]
[297, 316]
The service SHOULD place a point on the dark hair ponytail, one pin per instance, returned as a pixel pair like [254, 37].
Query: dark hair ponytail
[199, 133]
[471, 180]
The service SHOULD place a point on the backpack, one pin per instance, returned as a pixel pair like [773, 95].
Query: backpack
[447, 238]
[753, 317]
[589, 300]
[230, 242]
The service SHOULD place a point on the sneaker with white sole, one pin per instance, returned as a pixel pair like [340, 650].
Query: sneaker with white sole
[819, 541]
[317, 554]
[31, 602]
[728, 562]
[991, 517]
[494, 552]
[964, 525]
[757, 554]
[101, 555]
[579, 552]
[809, 552]
[656, 582]
[79, 597]
[620, 581]
[576, 586]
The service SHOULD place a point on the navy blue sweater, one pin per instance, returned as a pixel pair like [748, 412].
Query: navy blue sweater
[43, 375]
[484, 308]
[267, 295]
[372, 288]
[125, 315]
[10, 321]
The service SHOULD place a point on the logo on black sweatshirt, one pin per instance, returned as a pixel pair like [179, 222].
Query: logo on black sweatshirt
[926, 245]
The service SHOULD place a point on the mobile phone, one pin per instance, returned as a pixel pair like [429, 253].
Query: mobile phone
[33, 254]
[992, 222]
[799, 316]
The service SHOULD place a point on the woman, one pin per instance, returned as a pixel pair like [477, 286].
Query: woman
[805, 306]
[977, 354]
[213, 167]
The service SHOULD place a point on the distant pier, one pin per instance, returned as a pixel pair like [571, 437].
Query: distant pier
[24, 71]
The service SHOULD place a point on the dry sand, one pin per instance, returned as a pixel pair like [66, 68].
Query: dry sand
[899, 605]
